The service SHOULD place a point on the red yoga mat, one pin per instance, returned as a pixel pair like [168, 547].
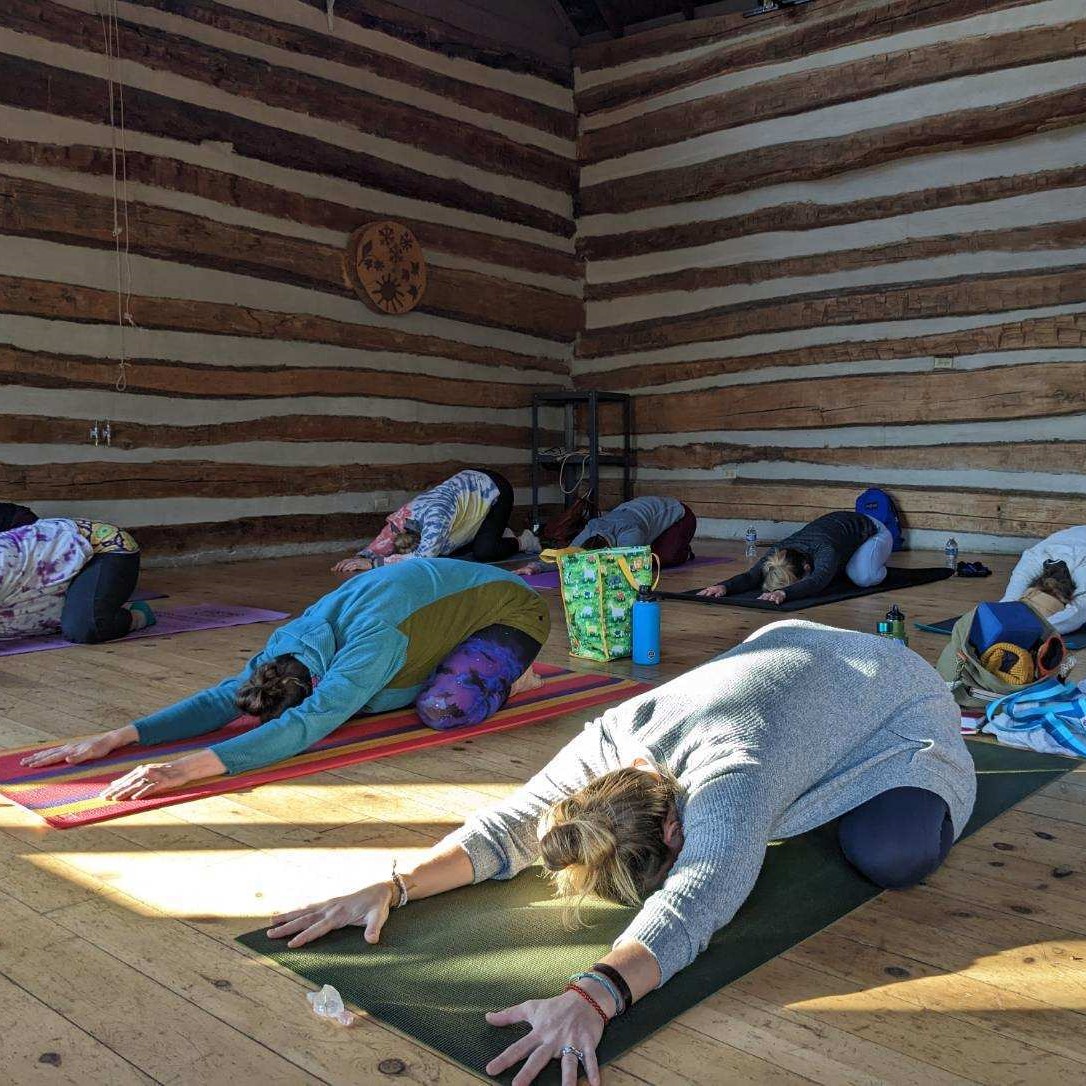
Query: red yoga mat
[67, 795]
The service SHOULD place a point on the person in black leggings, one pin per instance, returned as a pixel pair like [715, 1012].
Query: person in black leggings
[466, 516]
[68, 573]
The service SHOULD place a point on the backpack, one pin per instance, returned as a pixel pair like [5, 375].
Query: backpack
[878, 504]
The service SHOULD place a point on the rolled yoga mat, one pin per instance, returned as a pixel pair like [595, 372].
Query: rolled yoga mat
[444, 961]
[200, 616]
[897, 579]
[1074, 640]
[68, 795]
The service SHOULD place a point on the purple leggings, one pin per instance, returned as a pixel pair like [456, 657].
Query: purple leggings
[473, 681]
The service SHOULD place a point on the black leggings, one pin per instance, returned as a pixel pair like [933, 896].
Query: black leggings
[490, 544]
[94, 603]
[897, 838]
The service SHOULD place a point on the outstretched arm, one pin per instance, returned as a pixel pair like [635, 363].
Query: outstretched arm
[197, 715]
[444, 867]
[741, 582]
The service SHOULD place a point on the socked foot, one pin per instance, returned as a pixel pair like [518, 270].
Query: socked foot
[528, 681]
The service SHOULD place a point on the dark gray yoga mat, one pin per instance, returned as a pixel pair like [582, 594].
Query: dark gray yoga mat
[443, 962]
[898, 578]
[1074, 640]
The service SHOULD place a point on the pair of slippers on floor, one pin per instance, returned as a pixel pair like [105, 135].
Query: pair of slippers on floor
[973, 569]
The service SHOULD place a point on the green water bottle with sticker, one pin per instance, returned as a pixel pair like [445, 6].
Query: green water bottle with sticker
[893, 625]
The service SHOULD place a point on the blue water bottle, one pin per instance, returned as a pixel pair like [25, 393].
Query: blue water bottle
[646, 628]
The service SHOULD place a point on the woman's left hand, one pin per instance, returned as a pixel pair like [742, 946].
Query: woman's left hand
[566, 1019]
[154, 777]
[773, 597]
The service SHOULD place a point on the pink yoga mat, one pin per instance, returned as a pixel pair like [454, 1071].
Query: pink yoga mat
[199, 616]
[549, 578]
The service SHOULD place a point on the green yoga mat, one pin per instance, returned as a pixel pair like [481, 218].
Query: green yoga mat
[444, 961]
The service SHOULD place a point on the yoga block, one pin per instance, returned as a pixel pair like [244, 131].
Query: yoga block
[1005, 623]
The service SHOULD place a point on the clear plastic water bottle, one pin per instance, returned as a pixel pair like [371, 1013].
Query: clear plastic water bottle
[950, 552]
[752, 542]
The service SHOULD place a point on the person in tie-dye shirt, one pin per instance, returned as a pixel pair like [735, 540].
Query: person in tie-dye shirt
[71, 576]
[467, 514]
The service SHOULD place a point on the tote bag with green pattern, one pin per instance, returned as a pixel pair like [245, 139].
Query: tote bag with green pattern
[598, 593]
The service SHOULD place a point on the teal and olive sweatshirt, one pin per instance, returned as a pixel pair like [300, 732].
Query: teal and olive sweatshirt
[371, 644]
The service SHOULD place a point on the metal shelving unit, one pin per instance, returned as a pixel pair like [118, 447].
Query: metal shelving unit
[587, 459]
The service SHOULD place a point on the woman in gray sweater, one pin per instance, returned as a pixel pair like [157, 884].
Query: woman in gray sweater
[669, 801]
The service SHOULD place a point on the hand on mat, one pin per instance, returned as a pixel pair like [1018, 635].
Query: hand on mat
[154, 777]
[529, 569]
[365, 908]
[563, 1020]
[353, 565]
[81, 750]
[714, 591]
[773, 597]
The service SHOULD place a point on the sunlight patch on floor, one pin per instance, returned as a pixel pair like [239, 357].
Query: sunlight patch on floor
[224, 883]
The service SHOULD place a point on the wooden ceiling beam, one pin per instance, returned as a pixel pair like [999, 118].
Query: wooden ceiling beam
[615, 20]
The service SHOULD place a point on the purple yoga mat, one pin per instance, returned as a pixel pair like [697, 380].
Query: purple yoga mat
[549, 579]
[199, 616]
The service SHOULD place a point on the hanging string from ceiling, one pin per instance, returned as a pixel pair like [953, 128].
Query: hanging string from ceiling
[111, 37]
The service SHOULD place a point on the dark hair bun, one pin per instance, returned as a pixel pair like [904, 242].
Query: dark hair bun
[274, 687]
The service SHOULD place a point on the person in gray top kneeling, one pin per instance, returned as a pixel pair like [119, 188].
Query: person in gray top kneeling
[669, 801]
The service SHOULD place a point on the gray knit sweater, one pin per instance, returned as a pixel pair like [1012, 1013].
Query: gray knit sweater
[789, 730]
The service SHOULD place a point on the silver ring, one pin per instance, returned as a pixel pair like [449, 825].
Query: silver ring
[569, 1050]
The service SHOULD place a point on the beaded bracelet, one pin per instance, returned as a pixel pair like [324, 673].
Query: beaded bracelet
[619, 981]
[606, 984]
[571, 987]
[397, 881]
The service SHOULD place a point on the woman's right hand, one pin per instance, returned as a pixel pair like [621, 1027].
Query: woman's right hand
[367, 908]
[714, 591]
[80, 750]
[353, 565]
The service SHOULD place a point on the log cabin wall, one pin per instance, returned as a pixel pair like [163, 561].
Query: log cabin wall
[267, 409]
[846, 247]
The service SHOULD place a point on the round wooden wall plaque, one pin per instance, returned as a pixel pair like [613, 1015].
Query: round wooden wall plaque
[385, 267]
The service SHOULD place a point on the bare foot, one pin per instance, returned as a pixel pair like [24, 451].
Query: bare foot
[528, 681]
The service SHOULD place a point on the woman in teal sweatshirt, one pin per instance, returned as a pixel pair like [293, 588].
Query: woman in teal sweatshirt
[454, 638]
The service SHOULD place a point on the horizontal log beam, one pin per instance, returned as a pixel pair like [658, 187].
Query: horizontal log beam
[112, 481]
[1044, 457]
[39, 369]
[895, 399]
[941, 298]
[926, 508]
[297, 429]
[1058, 235]
[1067, 330]
[63, 301]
